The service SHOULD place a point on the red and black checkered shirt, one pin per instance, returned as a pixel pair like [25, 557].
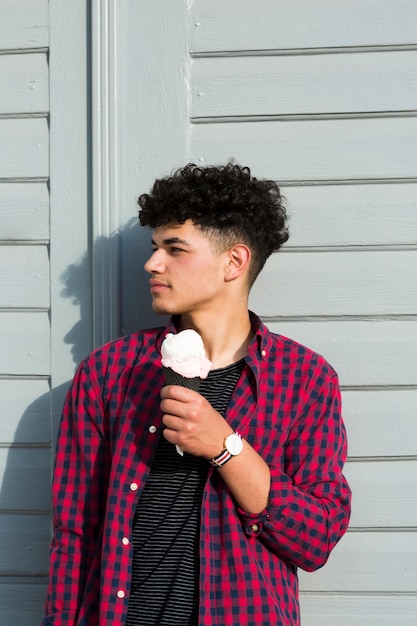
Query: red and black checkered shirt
[286, 405]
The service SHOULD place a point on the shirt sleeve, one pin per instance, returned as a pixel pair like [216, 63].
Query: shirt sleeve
[78, 496]
[309, 502]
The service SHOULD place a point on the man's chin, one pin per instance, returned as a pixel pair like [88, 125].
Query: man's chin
[160, 309]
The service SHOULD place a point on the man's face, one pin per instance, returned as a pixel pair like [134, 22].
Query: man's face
[187, 273]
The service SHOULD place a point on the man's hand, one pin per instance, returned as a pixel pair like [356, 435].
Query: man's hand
[191, 422]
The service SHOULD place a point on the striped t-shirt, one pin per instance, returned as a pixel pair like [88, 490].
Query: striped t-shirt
[165, 531]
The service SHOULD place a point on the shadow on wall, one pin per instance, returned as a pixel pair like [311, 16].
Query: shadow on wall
[131, 246]
[25, 491]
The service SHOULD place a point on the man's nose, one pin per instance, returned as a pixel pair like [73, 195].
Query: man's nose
[155, 262]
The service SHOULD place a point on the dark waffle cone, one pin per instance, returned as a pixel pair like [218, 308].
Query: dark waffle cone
[172, 378]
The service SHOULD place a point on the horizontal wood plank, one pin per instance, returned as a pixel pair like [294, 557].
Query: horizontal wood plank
[216, 25]
[364, 352]
[22, 603]
[24, 24]
[341, 149]
[24, 83]
[25, 477]
[24, 211]
[24, 541]
[338, 283]
[25, 148]
[340, 215]
[384, 493]
[381, 422]
[25, 342]
[299, 85]
[368, 562]
[25, 413]
[24, 277]
[361, 610]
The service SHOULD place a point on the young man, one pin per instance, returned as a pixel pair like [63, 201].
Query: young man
[146, 537]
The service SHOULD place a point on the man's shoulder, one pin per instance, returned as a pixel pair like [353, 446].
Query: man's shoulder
[297, 354]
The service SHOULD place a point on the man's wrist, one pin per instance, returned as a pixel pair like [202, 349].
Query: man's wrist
[232, 446]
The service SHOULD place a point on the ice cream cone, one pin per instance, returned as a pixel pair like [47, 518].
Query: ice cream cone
[172, 378]
[181, 354]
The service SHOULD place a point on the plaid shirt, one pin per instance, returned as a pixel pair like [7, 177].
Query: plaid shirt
[286, 405]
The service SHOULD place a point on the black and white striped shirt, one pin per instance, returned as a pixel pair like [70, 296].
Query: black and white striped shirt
[166, 525]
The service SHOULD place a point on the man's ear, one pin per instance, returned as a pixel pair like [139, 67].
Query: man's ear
[239, 257]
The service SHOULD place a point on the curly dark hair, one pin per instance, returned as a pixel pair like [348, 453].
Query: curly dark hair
[225, 202]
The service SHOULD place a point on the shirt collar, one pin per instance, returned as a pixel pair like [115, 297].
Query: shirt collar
[260, 345]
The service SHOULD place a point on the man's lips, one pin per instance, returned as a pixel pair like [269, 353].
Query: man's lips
[157, 285]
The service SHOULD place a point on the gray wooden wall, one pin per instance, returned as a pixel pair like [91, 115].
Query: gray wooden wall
[24, 307]
[43, 236]
[321, 96]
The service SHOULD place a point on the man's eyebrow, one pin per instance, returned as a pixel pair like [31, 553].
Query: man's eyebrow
[172, 240]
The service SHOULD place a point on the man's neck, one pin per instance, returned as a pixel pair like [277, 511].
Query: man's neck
[226, 337]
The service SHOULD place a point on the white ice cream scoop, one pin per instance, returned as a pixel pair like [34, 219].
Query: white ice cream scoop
[184, 353]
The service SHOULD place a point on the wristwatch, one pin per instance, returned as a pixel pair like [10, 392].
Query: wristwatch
[233, 445]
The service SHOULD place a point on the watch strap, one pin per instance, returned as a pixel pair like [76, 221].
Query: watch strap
[221, 459]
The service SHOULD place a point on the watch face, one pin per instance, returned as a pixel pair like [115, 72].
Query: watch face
[234, 444]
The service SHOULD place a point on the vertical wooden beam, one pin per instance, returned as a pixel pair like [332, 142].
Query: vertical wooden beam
[106, 163]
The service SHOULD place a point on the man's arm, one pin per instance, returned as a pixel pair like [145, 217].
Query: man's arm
[300, 506]
[309, 501]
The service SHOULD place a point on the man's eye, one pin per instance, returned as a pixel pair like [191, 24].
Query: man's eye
[175, 250]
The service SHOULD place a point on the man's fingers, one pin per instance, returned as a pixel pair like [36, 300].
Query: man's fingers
[183, 394]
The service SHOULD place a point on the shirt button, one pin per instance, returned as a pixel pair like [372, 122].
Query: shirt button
[263, 352]
[134, 486]
[152, 429]
[125, 541]
[121, 593]
[255, 528]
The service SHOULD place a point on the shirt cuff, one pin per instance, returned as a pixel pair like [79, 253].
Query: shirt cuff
[253, 522]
